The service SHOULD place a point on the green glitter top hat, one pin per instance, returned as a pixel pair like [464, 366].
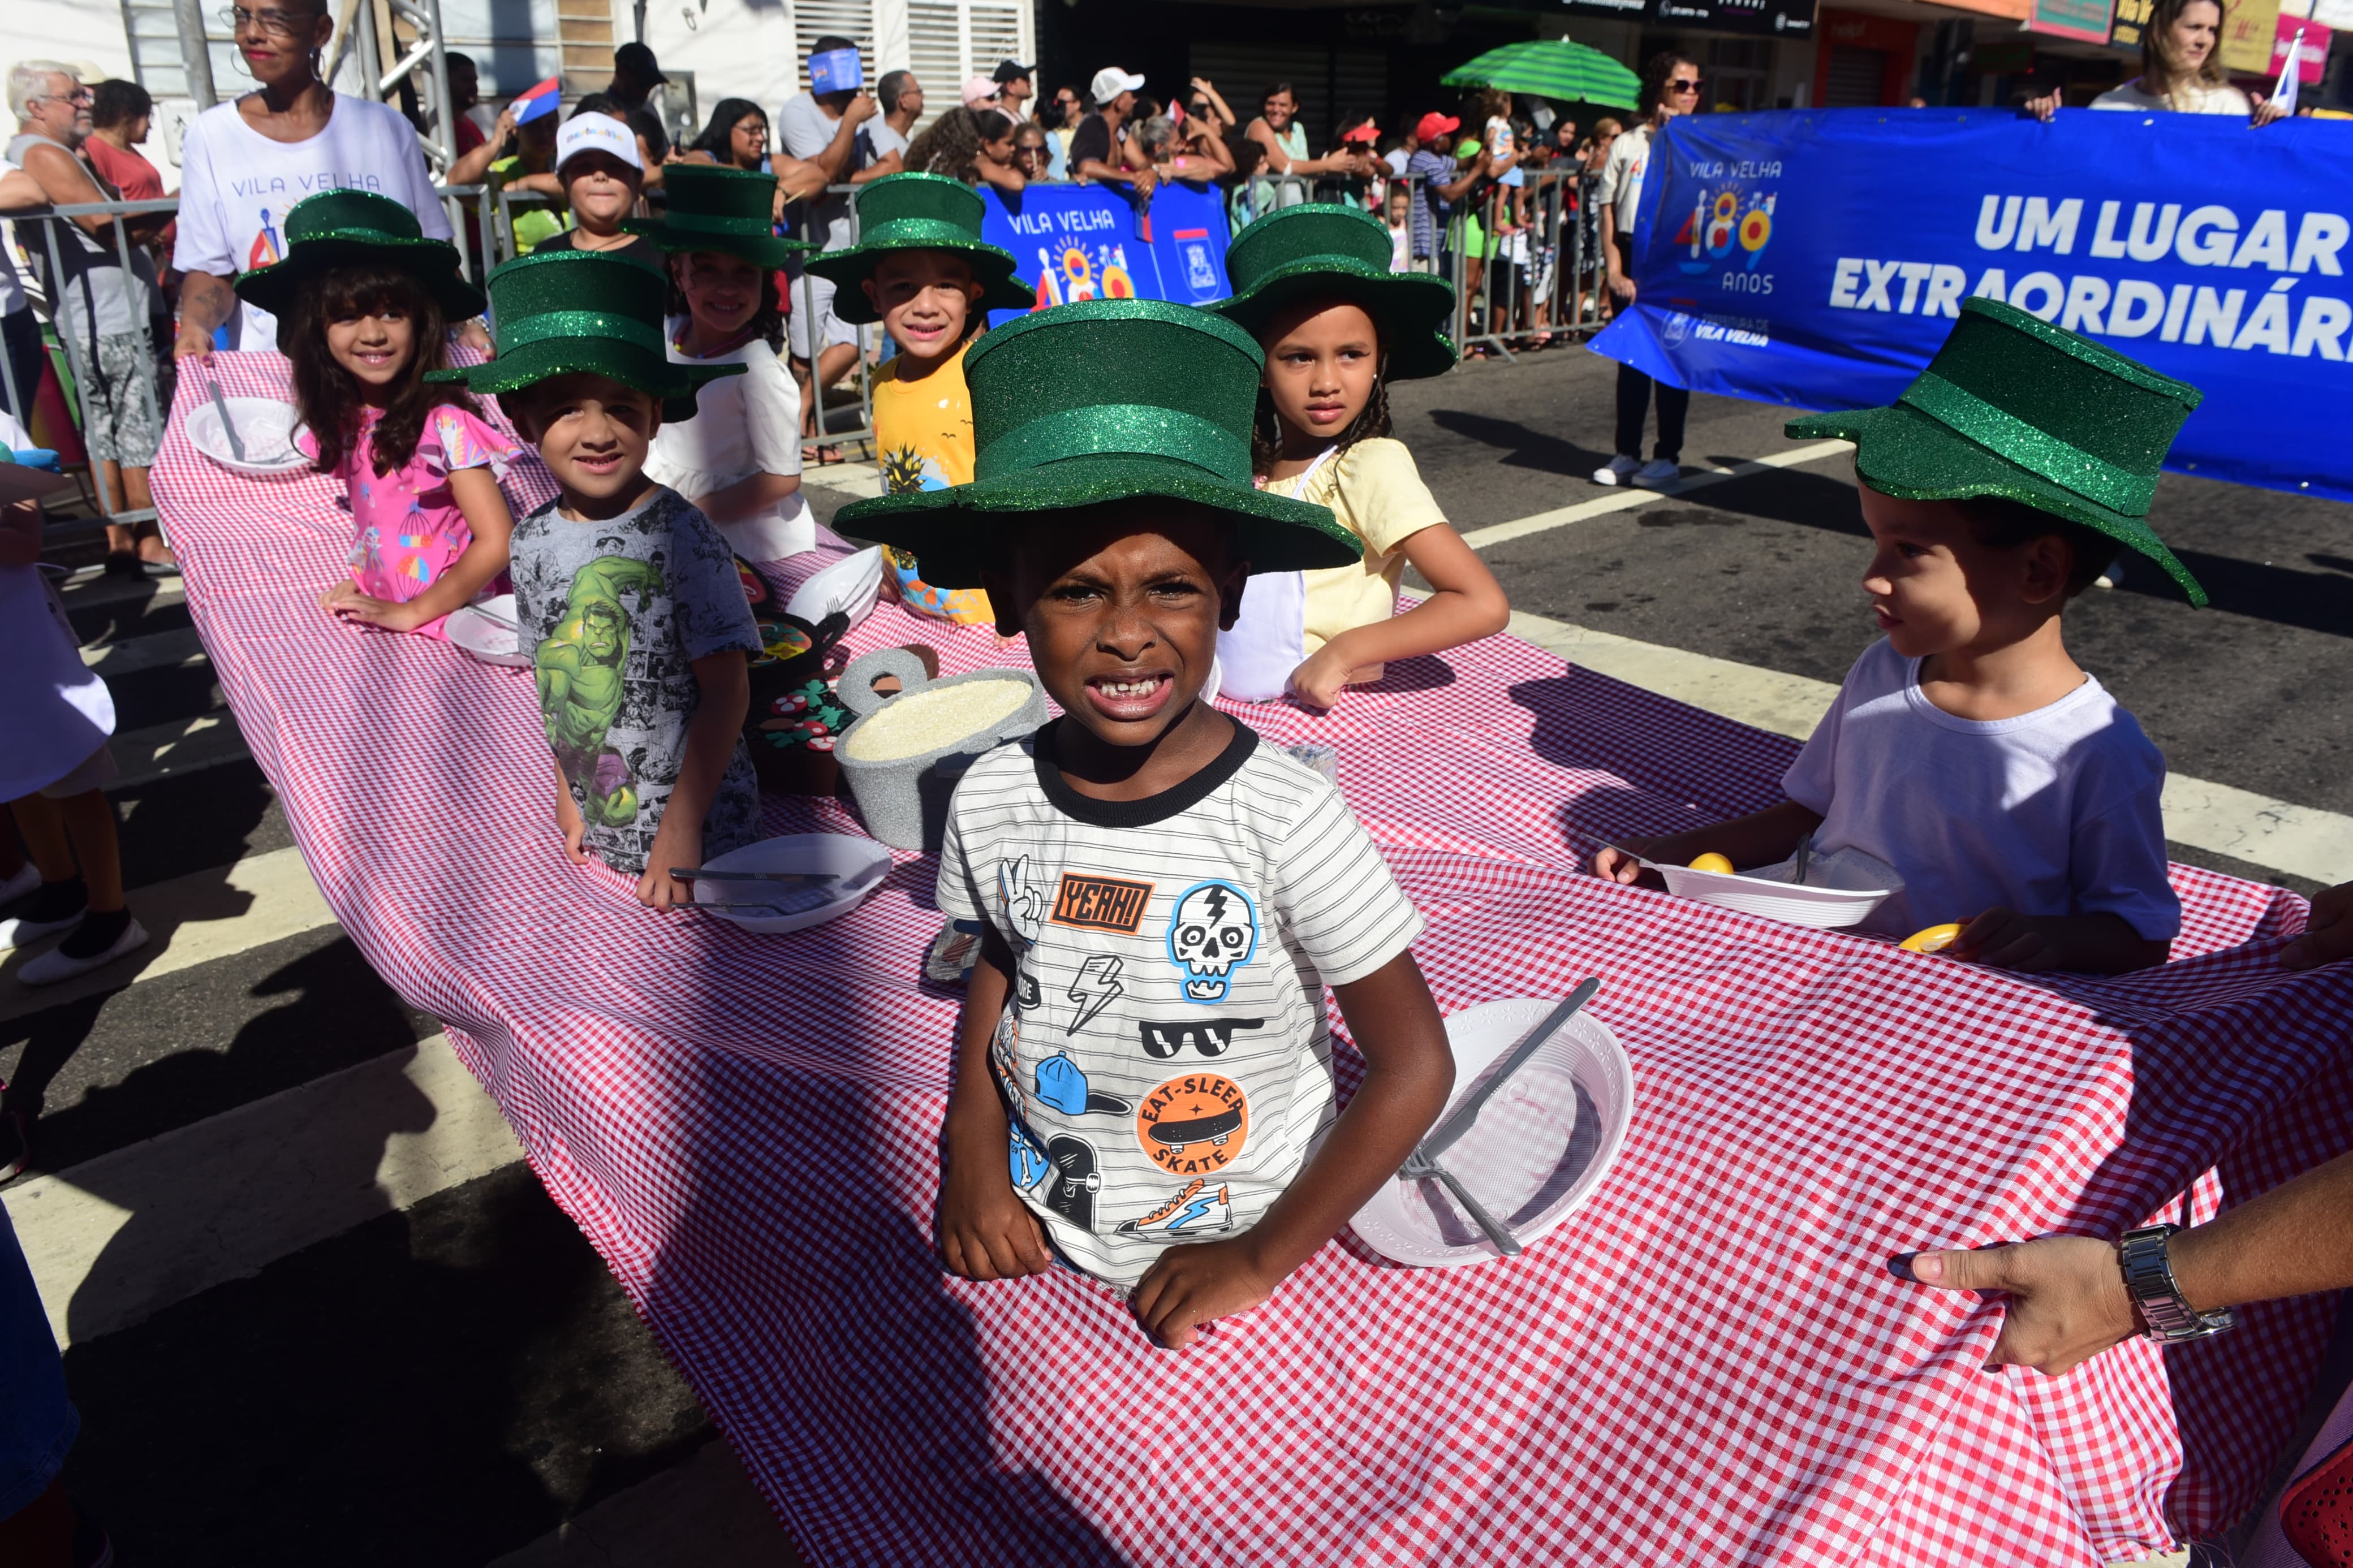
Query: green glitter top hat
[716, 208]
[562, 312]
[2014, 406]
[1109, 400]
[920, 212]
[343, 228]
[1323, 252]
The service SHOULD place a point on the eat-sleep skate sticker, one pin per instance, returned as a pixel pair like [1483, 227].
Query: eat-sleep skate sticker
[1194, 1125]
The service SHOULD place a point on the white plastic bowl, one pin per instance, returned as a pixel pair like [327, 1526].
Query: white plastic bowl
[861, 863]
[1841, 887]
[267, 428]
[471, 627]
[1540, 1149]
[851, 585]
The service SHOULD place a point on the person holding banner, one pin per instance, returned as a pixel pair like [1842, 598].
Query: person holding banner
[1670, 87]
[2180, 70]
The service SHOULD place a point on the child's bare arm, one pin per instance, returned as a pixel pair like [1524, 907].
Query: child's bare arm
[754, 492]
[725, 684]
[1466, 604]
[2100, 943]
[1409, 1073]
[477, 493]
[1760, 838]
[983, 1230]
[567, 818]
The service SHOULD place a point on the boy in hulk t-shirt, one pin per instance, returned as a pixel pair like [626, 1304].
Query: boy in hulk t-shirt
[922, 269]
[1144, 1083]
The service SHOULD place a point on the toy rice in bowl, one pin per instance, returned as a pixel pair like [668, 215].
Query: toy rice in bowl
[904, 754]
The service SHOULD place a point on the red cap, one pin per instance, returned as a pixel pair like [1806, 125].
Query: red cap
[1362, 133]
[1434, 124]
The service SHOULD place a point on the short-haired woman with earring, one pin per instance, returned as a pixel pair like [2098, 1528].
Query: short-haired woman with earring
[243, 163]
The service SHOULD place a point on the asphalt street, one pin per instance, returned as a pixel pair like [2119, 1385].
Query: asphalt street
[354, 1366]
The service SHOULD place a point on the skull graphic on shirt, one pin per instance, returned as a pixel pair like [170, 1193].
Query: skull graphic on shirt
[1213, 932]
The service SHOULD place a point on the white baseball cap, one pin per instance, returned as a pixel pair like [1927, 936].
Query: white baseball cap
[1110, 82]
[596, 131]
[979, 90]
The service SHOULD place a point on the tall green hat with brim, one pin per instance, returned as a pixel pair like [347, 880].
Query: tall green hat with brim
[712, 207]
[343, 228]
[2014, 406]
[1318, 252]
[1110, 400]
[920, 212]
[561, 313]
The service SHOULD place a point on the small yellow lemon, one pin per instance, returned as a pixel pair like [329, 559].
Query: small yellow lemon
[1935, 939]
[1711, 861]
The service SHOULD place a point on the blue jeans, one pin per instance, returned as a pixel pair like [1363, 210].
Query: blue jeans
[38, 1423]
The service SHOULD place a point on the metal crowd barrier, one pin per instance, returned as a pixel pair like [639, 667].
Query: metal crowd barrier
[1538, 271]
[50, 221]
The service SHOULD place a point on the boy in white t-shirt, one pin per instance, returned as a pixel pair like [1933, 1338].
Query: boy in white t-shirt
[1145, 1082]
[1967, 751]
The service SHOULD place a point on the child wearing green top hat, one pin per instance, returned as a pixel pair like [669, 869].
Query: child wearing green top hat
[739, 459]
[1312, 284]
[2013, 796]
[922, 269]
[1144, 1078]
[363, 299]
[626, 596]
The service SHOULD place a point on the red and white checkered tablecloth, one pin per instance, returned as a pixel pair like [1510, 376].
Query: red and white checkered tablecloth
[1709, 1363]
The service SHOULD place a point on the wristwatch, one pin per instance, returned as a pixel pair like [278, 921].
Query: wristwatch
[2148, 1281]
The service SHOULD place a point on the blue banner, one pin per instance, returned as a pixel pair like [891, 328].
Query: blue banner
[1818, 257]
[1095, 242]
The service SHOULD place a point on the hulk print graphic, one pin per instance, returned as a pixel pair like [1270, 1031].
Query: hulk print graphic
[615, 613]
[579, 669]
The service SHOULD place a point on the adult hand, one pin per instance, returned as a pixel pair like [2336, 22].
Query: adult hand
[2328, 930]
[1197, 1284]
[2066, 1297]
[1622, 286]
[1203, 84]
[476, 336]
[2046, 106]
[1145, 182]
[502, 130]
[2268, 109]
[192, 341]
[861, 109]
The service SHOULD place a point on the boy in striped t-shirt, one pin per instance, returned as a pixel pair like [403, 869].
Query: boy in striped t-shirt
[1144, 1075]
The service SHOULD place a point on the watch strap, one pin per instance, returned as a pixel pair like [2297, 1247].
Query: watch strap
[2148, 1281]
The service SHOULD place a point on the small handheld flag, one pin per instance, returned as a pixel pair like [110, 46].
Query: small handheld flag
[533, 102]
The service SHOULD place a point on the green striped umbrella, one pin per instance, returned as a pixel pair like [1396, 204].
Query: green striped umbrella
[1552, 68]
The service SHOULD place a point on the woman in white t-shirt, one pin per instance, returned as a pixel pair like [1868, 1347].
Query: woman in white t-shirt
[243, 163]
[2180, 70]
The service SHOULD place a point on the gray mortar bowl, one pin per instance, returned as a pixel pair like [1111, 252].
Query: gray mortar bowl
[905, 800]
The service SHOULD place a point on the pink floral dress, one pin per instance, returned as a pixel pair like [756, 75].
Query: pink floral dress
[405, 526]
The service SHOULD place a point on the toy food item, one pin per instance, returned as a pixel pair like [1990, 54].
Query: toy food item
[1935, 939]
[1711, 861]
[925, 721]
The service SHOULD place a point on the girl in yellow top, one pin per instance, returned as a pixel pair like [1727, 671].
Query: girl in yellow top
[1312, 284]
[922, 269]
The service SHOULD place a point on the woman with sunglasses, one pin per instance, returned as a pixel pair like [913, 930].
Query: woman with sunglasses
[1670, 87]
[243, 163]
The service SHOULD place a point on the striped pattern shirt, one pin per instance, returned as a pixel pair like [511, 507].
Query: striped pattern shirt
[1164, 1060]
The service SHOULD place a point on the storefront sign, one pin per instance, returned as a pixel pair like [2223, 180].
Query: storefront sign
[1772, 18]
[2312, 54]
[1817, 258]
[2132, 16]
[2085, 19]
[2250, 29]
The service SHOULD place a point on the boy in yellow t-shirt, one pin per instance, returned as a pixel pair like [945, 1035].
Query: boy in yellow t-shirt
[922, 269]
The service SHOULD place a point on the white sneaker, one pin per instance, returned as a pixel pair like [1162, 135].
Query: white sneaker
[1657, 474]
[27, 878]
[25, 931]
[2114, 577]
[1620, 467]
[56, 964]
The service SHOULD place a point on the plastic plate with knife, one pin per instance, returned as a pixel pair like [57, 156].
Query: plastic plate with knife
[785, 884]
[1538, 1142]
[486, 629]
[247, 434]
